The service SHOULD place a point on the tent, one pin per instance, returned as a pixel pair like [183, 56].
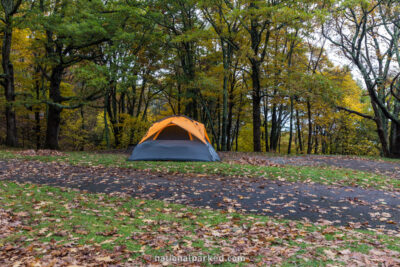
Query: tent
[176, 138]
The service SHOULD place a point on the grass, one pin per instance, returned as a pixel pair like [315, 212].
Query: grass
[362, 157]
[147, 228]
[320, 175]
[378, 158]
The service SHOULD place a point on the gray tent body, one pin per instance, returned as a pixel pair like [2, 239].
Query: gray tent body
[174, 144]
[174, 150]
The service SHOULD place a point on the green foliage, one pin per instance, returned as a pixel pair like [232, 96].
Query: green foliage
[74, 134]
[133, 129]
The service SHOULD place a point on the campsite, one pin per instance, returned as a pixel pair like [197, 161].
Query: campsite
[199, 133]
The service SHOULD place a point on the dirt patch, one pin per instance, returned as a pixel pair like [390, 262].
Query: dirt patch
[252, 161]
[40, 152]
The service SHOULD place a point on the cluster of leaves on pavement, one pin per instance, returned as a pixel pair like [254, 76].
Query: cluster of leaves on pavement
[61, 226]
[307, 174]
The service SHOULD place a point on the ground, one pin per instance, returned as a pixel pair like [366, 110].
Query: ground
[309, 210]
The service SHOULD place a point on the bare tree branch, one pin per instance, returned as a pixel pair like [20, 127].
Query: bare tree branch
[356, 113]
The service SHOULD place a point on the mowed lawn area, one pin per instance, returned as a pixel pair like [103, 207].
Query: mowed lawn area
[54, 226]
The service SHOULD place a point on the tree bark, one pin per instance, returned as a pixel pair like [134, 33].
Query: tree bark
[37, 112]
[256, 99]
[54, 111]
[238, 122]
[395, 145]
[226, 58]
[82, 145]
[106, 130]
[395, 133]
[310, 128]
[37, 129]
[141, 95]
[219, 130]
[266, 111]
[300, 140]
[188, 65]
[112, 112]
[290, 127]
[273, 136]
[230, 119]
[316, 147]
[8, 69]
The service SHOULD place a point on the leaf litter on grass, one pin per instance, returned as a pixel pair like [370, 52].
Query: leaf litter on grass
[94, 229]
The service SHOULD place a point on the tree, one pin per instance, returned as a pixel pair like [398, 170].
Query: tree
[10, 8]
[227, 28]
[180, 22]
[368, 34]
[259, 27]
[260, 19]
[70, 32]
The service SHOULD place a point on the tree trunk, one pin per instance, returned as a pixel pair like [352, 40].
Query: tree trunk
[395, 144]
[113, 114]
[290, 127]
[54, 111]
[383, 138]
[238, 122]
[226, 65]
[276, 126]
[256, 99]
[122, 106]
[310, 126]
[53, 127]
[188, 65]
[323, 144]
[273, 137]
[191, 106]
[266, 111]
[37, 129]
[8, 82]
[230, 119]
[146, 106]
[395, 133]
[37, 112]
[218, 125]
[237, 137]
[381, 130]
[300, 141]
[106, 130]
[279, 143]
[316, 141]
[141, 96]
[131, 103]
[179, 98]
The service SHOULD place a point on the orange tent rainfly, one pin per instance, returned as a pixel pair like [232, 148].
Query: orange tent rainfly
[175, 138]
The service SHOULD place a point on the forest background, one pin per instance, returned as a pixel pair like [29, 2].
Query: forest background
[89, 75]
